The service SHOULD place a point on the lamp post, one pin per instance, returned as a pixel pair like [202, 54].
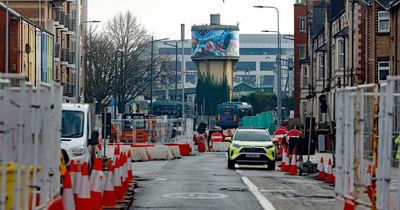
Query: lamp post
[78, 56]
[176, 67]
[151, 70]
[279, 97]
[119, 51]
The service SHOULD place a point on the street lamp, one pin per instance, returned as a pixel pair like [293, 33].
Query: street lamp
[151, 70]
[119, 51]
[176, 67]
[279, 116]
[78, 55]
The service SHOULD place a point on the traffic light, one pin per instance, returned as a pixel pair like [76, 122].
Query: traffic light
[322, 104]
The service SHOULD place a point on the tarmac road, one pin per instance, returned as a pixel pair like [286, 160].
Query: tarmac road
[204, 182]
[195, 182]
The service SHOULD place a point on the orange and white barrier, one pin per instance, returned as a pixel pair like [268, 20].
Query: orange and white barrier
[77, 181]
[220, 146]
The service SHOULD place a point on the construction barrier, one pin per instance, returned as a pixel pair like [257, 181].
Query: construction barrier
[367, 124]
[30, 123]
[220, 146]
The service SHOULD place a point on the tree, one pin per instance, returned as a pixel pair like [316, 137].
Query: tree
[261, 102]
[98, 68]
[210, 93]
[122, 64]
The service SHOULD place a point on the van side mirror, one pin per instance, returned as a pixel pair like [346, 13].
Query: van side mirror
[228, 138]
[93, 138]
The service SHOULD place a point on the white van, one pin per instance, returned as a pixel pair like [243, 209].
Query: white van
[77, 138]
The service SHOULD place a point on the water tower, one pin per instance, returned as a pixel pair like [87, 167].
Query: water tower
[215, 50]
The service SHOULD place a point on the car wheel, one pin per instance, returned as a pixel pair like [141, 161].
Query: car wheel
[271, 165]
[231, 164]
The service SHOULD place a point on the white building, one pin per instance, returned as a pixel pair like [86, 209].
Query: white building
[256, 66]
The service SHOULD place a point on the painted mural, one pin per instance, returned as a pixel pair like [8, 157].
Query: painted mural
[215, 43]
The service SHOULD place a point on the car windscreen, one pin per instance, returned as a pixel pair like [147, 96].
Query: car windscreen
[252, 135]
[72, 124]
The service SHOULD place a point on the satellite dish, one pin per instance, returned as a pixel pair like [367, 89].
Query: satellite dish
[28, 48]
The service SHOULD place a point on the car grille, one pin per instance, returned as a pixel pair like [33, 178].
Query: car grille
[252, 150]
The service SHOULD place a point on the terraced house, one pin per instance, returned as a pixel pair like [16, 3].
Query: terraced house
[62, 19]
[350, 43]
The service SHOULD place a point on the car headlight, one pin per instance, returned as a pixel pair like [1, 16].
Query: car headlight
[270, 146]
[77, 151]
[235, 145]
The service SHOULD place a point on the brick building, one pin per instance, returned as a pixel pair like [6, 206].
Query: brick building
[300, 49]
[30, 47]
[61, 18]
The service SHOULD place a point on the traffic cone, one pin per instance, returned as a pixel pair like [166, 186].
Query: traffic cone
[56, 204]
[321, 174]
[109, 191]
[349, 205]
[77, 180]
[96, 183]
[124, 174]
[99, 150]
[68, 195]
[329, 177]
[116, 153]
[283, 165]
[130, 173]
[72, 172]
[293, 165]
[119, 194]
[83, 199]
[287, 160]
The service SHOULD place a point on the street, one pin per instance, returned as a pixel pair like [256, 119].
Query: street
[204, 182]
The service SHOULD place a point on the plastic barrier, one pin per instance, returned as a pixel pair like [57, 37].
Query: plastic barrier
[157, 152]
[175, 150]
[221, 146]
[30, 124]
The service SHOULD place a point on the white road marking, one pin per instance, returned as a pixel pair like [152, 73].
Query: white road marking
[265, 203]
[239, 171]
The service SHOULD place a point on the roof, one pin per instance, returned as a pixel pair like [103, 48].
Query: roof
[342, 33]
[337, 8]
[318, 19]
[321, 48]
[388, 4]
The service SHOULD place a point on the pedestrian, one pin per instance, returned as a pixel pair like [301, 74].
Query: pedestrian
[397, 142]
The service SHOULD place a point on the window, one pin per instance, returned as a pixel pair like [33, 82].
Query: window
[190, 65]
[302, 24]
[302, 51]
[383, 21]
[321, 65]
[305, 76]
[341, 54]
[245, 66]
[383, 70]
[267, 81]
[267, 66]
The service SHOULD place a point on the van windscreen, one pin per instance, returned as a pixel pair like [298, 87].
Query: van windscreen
[72, 124]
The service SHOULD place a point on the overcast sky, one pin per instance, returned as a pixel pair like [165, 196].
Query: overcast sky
[163, 18]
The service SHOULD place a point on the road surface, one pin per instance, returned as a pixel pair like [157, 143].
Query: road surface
[204, 182]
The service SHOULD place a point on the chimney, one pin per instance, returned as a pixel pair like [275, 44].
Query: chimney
[214, 19]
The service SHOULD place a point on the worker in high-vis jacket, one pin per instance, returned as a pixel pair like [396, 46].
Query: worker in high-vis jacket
[397, 142]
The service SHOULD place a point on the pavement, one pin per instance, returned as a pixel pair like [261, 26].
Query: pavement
[204, 182]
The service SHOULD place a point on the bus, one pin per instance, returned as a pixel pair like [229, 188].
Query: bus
[230, 114]
[173, 109]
